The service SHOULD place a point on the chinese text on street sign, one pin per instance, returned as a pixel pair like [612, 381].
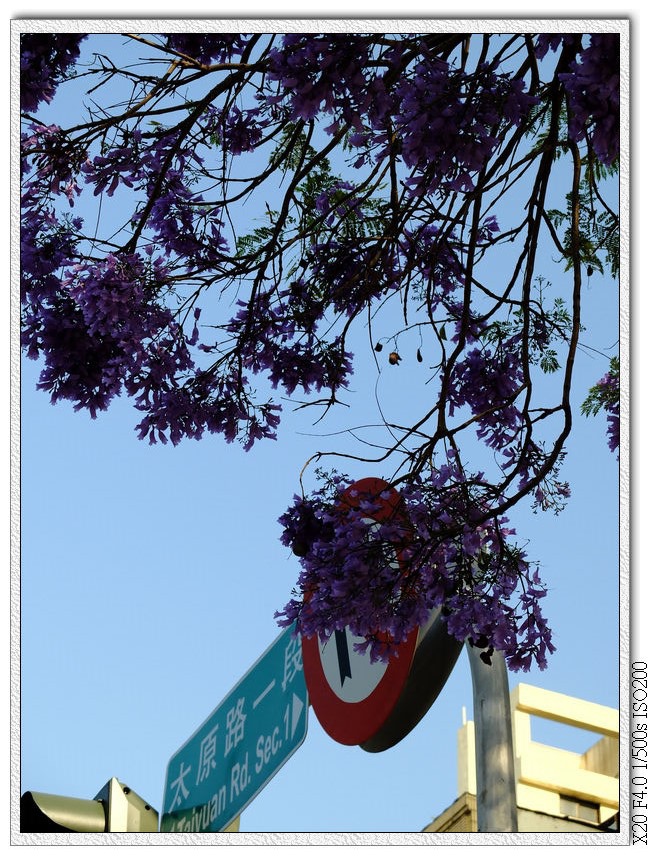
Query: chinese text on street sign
[237, 750]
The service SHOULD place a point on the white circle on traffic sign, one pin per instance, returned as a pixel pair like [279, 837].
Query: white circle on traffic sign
[347, 671]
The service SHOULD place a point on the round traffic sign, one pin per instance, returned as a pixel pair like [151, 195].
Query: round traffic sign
[353, 703]
[352, 696]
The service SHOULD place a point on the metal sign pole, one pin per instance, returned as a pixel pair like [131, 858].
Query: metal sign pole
[496, 800]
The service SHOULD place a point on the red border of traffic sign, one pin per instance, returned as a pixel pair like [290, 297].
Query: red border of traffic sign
[355, 723]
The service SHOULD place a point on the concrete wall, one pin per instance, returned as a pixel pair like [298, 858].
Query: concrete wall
[546, 776]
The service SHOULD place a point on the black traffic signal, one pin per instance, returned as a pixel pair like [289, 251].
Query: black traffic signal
[116, 808]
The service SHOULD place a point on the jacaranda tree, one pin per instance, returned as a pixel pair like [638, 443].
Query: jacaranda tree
[211, 221]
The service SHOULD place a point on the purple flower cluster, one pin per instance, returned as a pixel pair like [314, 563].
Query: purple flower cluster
[383, 575]
[354, 274]
[208, 48]
[178, 220]
[606, 394]
[98, 328]
[215, 401]
[46, 245]
[53, 165]
[609, 387]
[236, 130]
[240, 130]
[324, 74]
[489, 381]
[614, 428]
[101, 329]
[433, 253]
[287, 347]
[45, 58]
[592, 87]
[449, 126]
[546, 42]
[119, 165]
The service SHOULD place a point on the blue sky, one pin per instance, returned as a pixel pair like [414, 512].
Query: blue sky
[150, 576]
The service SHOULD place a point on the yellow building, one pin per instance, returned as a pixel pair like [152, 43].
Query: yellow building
[557, 790]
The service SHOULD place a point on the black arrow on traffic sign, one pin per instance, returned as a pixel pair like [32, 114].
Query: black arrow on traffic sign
[343, 655]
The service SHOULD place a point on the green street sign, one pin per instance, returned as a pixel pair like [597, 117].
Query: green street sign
[238, 749]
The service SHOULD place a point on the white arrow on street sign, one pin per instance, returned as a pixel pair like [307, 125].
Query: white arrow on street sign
[296, 713]
[243, 743]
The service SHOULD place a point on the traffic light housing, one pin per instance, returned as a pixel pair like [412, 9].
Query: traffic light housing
[116, 808]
